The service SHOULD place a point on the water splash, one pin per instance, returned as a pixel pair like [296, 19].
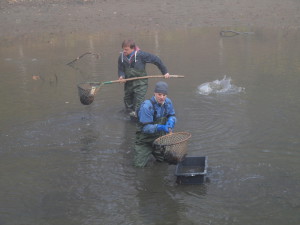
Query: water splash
[223, 86]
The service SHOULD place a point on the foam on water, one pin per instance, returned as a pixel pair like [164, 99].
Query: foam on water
[223, 86]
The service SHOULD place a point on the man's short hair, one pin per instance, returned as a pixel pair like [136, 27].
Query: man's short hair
[128, 43]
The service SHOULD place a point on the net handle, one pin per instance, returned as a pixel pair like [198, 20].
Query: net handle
[144, 77]
[135, 78]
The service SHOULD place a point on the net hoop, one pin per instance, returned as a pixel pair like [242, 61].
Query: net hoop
[173, 146]
[185, 135]
[87, 92]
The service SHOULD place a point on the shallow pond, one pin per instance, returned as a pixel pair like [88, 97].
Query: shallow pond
[65, 163]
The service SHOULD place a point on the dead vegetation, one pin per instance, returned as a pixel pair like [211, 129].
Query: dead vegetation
[32, 2]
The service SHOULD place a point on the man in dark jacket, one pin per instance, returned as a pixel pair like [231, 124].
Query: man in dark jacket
[156, 118]
[131, 63]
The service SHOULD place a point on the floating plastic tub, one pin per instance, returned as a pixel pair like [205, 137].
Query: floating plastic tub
[192, 170]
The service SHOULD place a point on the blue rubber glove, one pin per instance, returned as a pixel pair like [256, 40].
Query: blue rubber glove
[164, 128]
[171, 122]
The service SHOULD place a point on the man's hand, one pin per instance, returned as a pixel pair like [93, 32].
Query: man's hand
[164, 128]
[167, 75]
[122, 80]
[171, 123]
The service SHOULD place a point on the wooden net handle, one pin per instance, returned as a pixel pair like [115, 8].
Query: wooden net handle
[138, 78]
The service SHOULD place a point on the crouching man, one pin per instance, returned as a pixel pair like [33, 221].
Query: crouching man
[156, 117]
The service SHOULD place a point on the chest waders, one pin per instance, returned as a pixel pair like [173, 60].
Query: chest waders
[135, 90]
[144, 144]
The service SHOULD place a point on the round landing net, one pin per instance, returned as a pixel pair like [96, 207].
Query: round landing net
[87, 91]
[174, 146]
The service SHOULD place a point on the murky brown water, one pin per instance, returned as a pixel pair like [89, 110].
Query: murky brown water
[65, 163]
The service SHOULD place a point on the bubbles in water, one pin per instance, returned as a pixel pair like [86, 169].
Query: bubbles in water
[223, 86]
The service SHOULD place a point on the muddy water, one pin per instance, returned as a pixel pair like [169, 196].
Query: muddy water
[65, 163]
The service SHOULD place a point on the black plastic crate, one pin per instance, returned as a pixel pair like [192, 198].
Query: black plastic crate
[192, 170]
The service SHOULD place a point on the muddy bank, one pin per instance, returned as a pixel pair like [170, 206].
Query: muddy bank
[26, 17]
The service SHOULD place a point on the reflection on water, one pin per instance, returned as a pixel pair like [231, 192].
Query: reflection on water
[65, 163]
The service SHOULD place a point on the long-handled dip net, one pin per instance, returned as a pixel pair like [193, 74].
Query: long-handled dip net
[88, 90]
[173, 146]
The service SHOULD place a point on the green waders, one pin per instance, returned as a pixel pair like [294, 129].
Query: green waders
[144, 145]
[135, 90]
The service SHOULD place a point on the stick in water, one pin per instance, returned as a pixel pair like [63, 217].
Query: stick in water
[79, 57]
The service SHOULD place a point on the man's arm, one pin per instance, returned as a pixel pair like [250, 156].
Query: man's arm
[146, 118]
[121, 72]
[150, 58]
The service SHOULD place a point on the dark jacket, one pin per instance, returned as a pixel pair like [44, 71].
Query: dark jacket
[138, 61]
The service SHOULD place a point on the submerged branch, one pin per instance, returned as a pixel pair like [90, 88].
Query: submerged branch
[79, 57]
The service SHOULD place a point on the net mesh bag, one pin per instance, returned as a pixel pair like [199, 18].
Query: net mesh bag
[87, 91]
[174, 146]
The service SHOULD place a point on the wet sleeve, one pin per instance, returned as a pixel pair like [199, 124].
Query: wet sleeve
[150, 58]
[146, 118]
[150, 128]
[173, 118]
[171, 111]
[121, 72]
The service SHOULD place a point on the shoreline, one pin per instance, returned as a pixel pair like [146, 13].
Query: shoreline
[26, 18]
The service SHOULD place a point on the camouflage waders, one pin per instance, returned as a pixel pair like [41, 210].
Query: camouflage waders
[144, 145]
[136, 90]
